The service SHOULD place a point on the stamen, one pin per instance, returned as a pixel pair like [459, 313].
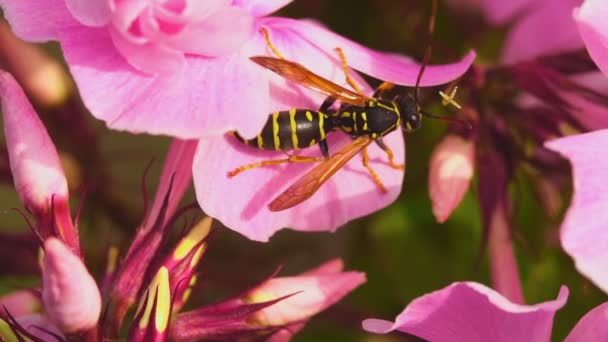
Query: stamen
[449, 99]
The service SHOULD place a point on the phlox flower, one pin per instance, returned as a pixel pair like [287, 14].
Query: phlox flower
[468, 311]
[182, 68]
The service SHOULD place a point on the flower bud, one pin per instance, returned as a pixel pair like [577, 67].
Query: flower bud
[69, 293]
[451, 170]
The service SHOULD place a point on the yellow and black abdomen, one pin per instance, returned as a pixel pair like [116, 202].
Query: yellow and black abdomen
[292, 129]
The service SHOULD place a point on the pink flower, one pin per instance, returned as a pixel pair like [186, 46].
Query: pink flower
[591, 20]
[583, 232]
[69, 293]
[451, 170]
[473, 312]
[182, 68]
[37, 173]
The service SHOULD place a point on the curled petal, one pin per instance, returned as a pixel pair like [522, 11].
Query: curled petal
[451, 170]
[582, 233]
[250, 192]
[311, 295]
[260, 8]
[90, 12]
[385, 66]
[69, 293]
[592, 327]
[150, 58]
[472, 312]
[593, 28]
[35, 164]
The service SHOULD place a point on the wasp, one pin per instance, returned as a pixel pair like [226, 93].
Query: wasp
[366, 119]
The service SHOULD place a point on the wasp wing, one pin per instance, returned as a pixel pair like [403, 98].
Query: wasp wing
[302, 76]
[306, 186]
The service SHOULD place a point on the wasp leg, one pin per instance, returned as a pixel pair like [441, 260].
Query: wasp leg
[383, 89]
[290, 159]
[345, 70]
[270, 45]
[324, 148]
[390, 155]
[371, 171]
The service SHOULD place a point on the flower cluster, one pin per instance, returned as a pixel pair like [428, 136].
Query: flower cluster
[183, 68]
[161, 282]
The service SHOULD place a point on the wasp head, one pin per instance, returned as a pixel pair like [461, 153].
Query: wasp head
[411, 116]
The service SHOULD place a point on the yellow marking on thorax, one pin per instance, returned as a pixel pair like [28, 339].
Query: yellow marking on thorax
[294, 127]
[260, 142]
[309, 115]
[312, 142]
[345, 114]
[374, 135]
[364, 117]
[321, 122]
[355, 121]
[392, 109]
[275, 131]
[347, 129]
[371, 103]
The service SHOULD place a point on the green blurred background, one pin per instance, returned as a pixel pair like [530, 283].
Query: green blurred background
[403, 251]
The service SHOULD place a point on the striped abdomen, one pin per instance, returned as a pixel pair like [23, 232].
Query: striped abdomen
[293, 129]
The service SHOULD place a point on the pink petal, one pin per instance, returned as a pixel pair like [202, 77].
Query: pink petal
[312, 294]
[250, 192]
[592, 327]
[583, 232]
[35, 164]
[593, 28]
[260, 8]
[69, 293]
[499, 12]
[177, 172]
[201, 100]
[150, 58]
[450, 173]
[41, 327]
[20, 303]
[536, 34]
[472, 312]
[196, 9]
[36, 20]
[385, 66]
[329, 267]
[90, 12]
[223, 32]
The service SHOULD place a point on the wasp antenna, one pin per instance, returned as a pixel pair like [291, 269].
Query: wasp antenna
[427, 51]
[464, 123]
